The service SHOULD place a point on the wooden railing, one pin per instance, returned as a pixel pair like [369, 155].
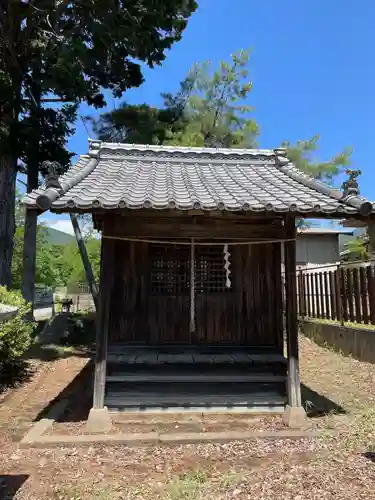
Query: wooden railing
[346, 294]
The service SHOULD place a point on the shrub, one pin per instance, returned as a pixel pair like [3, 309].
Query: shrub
[15, 334]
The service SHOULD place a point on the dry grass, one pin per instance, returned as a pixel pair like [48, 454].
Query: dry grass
[335, 466]
[344, 323]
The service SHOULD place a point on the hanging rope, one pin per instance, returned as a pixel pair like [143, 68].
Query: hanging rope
[200, 243]
[192, 287]
[192, 243]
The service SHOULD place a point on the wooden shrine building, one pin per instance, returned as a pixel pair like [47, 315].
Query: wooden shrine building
[195, 298]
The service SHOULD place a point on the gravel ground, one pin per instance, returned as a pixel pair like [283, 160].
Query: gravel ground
[334, 466]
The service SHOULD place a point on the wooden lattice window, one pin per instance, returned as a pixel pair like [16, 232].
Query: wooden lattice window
[170, 269]
[211, 276]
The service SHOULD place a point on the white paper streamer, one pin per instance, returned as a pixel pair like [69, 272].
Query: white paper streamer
[227, 266]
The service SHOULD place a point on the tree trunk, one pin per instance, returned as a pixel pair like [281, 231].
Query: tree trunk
[29, 243]
[7, 224]
[29, 257]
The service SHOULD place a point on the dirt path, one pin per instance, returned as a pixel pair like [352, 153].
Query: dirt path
[339, 467]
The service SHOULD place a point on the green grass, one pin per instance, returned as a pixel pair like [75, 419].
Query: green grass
[188, 486]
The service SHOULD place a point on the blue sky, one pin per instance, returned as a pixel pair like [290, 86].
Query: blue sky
[312, 67]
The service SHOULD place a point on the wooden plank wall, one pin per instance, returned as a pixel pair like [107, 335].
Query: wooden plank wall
[347, 294]
[250, 314]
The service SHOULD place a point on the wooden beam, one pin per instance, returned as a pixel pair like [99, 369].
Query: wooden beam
[209, 229]
[250, 217]
[102, 324]
[354, 223]
[294, 384]
[85, 259]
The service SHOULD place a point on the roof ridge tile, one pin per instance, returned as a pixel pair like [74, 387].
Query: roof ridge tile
[163, 177]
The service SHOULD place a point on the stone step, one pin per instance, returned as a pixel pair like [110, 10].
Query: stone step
[152, 377]
[157, 358]
[266, 401]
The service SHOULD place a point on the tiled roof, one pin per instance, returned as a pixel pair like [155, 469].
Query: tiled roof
[132, 176]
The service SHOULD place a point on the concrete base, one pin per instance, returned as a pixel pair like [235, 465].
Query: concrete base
[154, 438]
[99, 420]
[294, 416]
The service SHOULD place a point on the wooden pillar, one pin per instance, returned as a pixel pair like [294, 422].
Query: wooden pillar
[102, 323]
[294, 385]
[99, 419]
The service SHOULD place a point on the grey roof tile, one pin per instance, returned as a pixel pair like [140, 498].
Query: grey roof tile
[136, 176]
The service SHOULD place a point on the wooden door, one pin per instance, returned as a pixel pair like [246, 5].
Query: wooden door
[217, 305]
[217, 298]
[169, 299]
[151, 294]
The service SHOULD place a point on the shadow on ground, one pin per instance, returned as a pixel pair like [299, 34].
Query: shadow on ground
[70, 335]
[51, 352]
[10, 484]
[64, 337]
[318, 405]
[79, 395]
[370, 455]
[15, 374]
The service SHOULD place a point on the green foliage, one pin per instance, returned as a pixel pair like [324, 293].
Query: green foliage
[214, 112]
[72, 270]
[56, 265]
[43, 135]
[357, 249]
[74, 50]
[207, 110]
[19, 214]
[137, 124]
[302, 155]
[15, 334]
[71, 51]
[17, 261]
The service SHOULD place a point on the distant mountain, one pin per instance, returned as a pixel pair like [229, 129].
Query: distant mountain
[56, 237]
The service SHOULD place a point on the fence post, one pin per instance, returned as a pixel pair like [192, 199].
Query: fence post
[371, 292]
[364, 295]
[312, 294]
[333, 295]
[327, 295]
[356, 296]
[317, 297]
[343, 296]
[350, 294]
[321, 295]
[301, 302]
